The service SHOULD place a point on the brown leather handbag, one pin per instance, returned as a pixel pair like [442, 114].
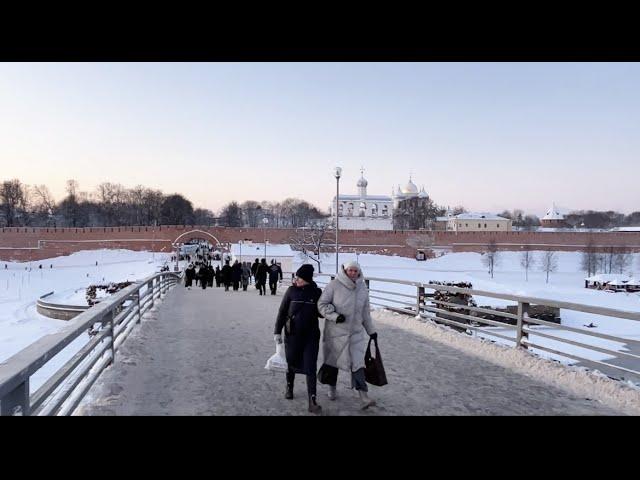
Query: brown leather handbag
[373, 368]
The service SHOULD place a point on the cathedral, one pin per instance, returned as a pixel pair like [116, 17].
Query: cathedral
[371, 212]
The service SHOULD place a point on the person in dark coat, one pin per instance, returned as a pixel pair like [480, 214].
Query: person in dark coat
[261, 276]
[236, 275]
[189, 275]
[298, 315]
[218, 276]
[275, 275]
[246, 275]
[210, 275]
[226, 276]
[203, 276]
[254, 269]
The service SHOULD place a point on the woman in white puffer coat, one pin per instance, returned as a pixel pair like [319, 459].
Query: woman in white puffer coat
[344, 304]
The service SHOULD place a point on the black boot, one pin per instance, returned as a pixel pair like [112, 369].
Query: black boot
[313, 406]
[289, 392]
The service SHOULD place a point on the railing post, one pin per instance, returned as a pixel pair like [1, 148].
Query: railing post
[16, 402]
[150, 287]
[419, 299]
[138, 302]
[113, 335]
[366, 282]
[523, 312]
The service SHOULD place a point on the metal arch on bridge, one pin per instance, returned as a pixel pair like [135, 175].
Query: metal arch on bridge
[192, 233]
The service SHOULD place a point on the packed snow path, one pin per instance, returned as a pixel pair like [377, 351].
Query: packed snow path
[203, 353]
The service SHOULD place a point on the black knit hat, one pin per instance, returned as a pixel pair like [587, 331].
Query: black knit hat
[305, 272]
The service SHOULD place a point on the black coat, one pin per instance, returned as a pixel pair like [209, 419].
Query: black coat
[298, 315]
[236, 273]
[275, 273]
[261, 273]
[226, 274]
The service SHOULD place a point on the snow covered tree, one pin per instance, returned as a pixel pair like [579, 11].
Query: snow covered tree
[491, 257]
[549, 263]
[309, 241]
[527, 260]
[589, 261]
[622, 260]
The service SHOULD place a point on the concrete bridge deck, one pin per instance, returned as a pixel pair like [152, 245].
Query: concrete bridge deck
[203, 353]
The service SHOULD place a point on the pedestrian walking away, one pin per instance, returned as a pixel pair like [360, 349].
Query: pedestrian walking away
[344, 304]
[298, 316]
[236, 275]
[246, 275]
[275, 275]
[226, 276]
[261, 276]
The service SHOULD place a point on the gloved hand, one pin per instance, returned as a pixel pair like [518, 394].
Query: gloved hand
[374, 336]
[341, 319]
[278, 338]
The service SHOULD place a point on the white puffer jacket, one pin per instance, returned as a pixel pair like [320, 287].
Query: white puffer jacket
[344, 344]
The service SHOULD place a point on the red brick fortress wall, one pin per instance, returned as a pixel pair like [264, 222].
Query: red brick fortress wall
[32, 244]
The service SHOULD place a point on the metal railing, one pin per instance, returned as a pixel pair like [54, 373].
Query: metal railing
[64, 389]
[412, 298]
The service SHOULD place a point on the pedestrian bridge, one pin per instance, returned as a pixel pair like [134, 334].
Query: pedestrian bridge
[203, 352]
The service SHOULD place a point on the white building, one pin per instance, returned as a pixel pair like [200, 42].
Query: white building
[478, 222]
[362, 211]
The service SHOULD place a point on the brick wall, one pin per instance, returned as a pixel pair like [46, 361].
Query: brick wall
[29, 244]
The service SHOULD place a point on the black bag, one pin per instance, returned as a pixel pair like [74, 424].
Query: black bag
[373, 369]
[328, 375]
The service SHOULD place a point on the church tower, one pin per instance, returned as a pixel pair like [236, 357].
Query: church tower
[362, 185]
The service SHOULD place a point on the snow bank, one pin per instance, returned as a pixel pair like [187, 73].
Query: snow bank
[577, 380]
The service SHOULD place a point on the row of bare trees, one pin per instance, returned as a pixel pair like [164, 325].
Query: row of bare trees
[112, 204]
[546, 261]
[290, 213]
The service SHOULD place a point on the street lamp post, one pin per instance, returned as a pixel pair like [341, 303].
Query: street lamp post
[337, 172]
[240, 243]
[265, 220]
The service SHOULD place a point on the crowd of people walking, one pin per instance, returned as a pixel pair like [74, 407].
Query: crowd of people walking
[234, 276]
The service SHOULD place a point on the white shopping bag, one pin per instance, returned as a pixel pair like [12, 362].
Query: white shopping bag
[278, 361]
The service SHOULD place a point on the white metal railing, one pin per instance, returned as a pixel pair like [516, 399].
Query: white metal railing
[64, 389]
[524, 325]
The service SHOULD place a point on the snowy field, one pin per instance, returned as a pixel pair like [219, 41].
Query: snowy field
[22, 283]
[566, 284]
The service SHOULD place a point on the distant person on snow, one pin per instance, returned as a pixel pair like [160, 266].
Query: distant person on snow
[261, 276]
[275, 275]
[226, 276]
[189, 274]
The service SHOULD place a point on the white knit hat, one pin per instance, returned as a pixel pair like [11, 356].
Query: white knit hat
[352, 264]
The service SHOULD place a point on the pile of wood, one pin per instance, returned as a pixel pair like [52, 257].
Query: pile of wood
[110, 289]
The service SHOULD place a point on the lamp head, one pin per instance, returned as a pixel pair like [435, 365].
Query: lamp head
[337, 172]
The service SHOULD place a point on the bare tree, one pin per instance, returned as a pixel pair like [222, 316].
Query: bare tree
[311, 238]
[14, 198]
[589, 262]
[527, 260]
[622, 260]
[491, 257]
[549, 263]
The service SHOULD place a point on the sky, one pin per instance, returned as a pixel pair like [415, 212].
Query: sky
[488, 136]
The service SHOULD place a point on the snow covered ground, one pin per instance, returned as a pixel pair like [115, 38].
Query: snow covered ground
[22, 283]
[566, 284]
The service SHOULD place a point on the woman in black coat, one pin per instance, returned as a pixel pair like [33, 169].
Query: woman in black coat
[226, 276]
[261, 276]
[189, 275]
[218, 275]
[298, 315]
[236, 275]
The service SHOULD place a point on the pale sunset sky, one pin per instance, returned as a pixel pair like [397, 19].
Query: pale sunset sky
[489, 136]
